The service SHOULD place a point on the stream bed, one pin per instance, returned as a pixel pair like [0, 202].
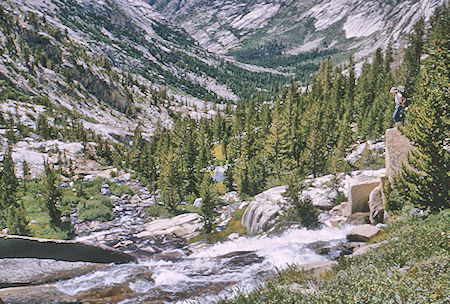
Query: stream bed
[205, 274]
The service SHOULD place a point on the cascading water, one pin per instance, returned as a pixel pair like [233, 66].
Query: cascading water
[205, 275]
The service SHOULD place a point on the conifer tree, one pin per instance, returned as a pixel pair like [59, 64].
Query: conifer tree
[302, 208]
[209, 195]
[277, 144]
[51, 194]
[427, 185]
[43, 128]
[12, 213]
[25, 174]
[171, 179]
[410, 68]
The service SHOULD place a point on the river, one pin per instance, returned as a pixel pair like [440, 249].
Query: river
[205, 274]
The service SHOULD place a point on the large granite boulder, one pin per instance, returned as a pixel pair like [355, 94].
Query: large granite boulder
[362, 233]
[358, 193]
[397, 149]
[14, 246]
[376, 206]
[263, 209]
[185, 226]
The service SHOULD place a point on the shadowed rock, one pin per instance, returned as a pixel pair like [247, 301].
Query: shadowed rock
[13, 246]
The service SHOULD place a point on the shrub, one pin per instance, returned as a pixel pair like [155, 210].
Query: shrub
[157, 210]
[99, 208]
[120, 189]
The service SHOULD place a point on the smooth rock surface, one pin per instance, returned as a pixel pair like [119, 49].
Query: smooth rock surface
[15, 272]
[376, 206]
[362, 233]
[35, 294]
[358, 193]
[263, 209]
[184, 225]
[14, 246]
[397, 149]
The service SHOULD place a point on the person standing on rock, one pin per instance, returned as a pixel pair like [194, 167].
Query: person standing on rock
[399, 102]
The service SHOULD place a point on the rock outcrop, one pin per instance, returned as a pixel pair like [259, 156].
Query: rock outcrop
[184, 226]
[359, 191]
[13, 246]
[397, 149]
[261, 211]
[376, 206]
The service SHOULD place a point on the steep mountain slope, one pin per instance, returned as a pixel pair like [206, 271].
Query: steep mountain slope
[103, 59]
[296, 26]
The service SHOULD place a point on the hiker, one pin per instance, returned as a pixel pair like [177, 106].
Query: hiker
[399, 102]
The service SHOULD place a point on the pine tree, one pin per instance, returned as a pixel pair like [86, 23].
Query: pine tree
[277, 145]
[302, 208]
[43, 128]
[25, 174]
[12, 214]
[208, 193]
[51, 194]
[171, 179]
[427, 185]
[410, 68]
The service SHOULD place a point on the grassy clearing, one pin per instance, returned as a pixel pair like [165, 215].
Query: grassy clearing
[413, 266]
[84, 196]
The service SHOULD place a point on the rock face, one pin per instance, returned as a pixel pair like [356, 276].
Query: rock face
[17, 272]
[358, 193]
[13, 246]
[184, 225]
[376, 206]
[263, 209]
[397, 149]
[362, 233]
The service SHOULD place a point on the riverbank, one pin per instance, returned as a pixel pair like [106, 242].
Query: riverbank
[412, 265]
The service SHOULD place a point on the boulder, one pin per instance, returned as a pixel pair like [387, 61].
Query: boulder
[185, 226]
[263, 209]
[317, 268]
[362, 233]
[336, 221]
[376, 206]
[358, 193]
[341, 210]
[27, 271]
[365, 248]
[358, 218]
[15, 246]
[397, 149]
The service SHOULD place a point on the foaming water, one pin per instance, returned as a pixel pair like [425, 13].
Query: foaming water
[210, 273]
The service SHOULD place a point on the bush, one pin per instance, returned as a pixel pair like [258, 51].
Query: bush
[120, 189]
[99, 208]
[157, 210]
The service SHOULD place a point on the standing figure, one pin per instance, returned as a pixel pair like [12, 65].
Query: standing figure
[399, 102]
